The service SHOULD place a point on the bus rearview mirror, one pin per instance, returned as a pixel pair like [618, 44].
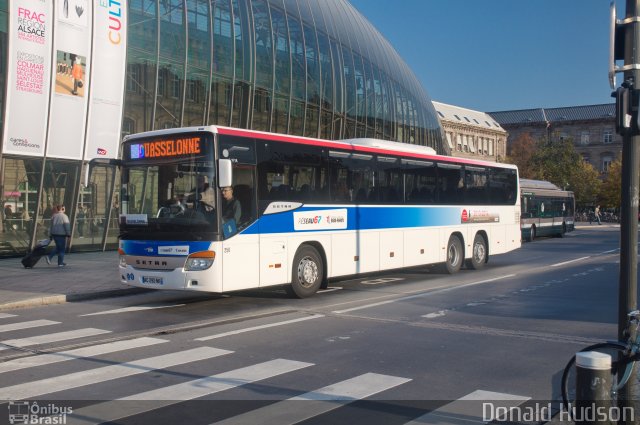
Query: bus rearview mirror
[225, 173]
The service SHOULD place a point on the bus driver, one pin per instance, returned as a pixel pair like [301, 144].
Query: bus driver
[231, 206]
[202, 196]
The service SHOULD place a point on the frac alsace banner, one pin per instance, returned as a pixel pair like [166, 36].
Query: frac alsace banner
[29, 79]
[107, 79]
[71, 59]
[60, 97]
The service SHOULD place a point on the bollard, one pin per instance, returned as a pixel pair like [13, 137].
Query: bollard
[593, 388]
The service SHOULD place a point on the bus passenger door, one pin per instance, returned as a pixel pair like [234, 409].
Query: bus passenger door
[241, 250]
[240, 256]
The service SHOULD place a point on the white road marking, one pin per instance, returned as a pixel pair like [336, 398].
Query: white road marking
[318, 402]
[56, 337]
[26, 325]
[423, 294]
[470, 409]
[569, 262]
[167, 396]
[6, 315]
[131, 309]
[436, 314]
[88, 377]
[337, 288]
[63, 356]
[255, 328]
[381, 280]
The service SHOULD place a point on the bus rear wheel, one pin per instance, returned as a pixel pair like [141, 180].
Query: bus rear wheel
[307, 273]
[563, 231]
[532, 233]
[454, 255]
[478, 253]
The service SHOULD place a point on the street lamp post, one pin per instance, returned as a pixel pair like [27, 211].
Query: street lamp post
[625, 45]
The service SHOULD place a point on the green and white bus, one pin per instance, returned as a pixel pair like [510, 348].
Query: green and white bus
[547, 210]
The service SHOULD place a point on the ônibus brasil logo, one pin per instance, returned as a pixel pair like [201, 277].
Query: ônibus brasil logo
[26, 412]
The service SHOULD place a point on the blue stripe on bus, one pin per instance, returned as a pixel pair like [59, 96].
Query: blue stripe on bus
[150, 248]
[364, 219]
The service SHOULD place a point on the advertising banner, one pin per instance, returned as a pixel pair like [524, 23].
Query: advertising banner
[107, 79]
[71, 59]
[29, 77]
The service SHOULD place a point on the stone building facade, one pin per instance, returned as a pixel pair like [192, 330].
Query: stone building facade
[472, 134]
[590, 127]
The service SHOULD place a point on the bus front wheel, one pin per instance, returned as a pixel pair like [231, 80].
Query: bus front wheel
[307, 273]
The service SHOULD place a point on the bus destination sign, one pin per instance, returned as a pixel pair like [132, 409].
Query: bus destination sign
[167, 148]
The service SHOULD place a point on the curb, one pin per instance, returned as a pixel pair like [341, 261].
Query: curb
[61, 298]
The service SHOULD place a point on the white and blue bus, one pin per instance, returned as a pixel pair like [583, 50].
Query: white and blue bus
[220, 209]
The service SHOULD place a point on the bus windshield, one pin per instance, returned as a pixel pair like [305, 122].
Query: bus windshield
[169, 197]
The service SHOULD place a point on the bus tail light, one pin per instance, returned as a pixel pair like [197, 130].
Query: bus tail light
[200, 261]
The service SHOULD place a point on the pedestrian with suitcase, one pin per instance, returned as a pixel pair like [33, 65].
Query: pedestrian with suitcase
[59, 232]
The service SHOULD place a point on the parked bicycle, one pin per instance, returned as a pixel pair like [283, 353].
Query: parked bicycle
[624, 355]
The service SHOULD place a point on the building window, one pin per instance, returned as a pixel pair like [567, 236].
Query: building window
[161, 82]
[606, 163]
[457, 117]
[192, 93]
[491, 147]
[175, 86]
[607, 136]
[128, 126]
[133, 78]
[584, 138]
[449, 141]
[586, 158]
[459, 140]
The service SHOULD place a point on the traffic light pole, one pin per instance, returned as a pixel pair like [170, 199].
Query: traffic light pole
[628, 285]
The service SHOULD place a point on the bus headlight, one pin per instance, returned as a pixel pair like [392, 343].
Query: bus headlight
[200, 261]
[122, 259]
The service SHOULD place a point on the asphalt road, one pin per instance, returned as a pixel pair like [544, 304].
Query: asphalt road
[387, 348]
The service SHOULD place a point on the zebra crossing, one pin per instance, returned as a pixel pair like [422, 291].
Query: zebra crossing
[113, 366]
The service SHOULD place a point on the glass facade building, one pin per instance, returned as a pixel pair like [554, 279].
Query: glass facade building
[313, 68]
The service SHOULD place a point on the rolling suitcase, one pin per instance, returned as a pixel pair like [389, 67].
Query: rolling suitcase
[32, 258]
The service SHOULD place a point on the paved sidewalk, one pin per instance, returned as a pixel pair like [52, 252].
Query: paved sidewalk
[86, 276]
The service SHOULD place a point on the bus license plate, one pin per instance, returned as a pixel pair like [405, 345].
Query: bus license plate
[152, 280]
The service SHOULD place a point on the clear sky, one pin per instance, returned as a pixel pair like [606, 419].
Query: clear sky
[495, 55]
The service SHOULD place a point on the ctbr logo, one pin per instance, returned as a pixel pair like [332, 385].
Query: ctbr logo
[102, 151]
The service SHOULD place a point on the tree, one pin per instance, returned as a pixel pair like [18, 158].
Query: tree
[585, 184]
[520, 152]
[558, 162]
[611, 190]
